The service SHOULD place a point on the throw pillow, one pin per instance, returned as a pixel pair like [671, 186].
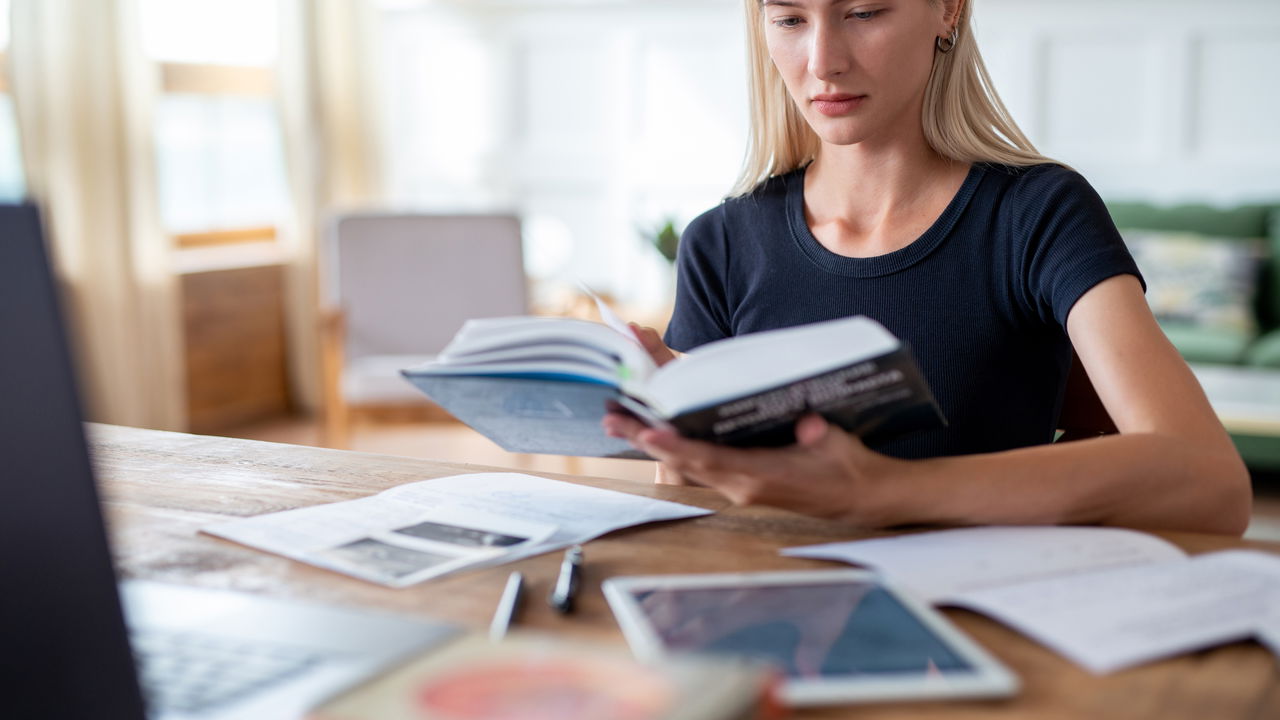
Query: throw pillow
[1199, 281]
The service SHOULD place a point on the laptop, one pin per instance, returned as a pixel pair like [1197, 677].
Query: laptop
[69, 646]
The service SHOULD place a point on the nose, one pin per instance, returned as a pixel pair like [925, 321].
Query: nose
[829, 55]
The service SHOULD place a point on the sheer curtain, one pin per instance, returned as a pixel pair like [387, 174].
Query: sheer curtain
[327, 93]
[83, 95]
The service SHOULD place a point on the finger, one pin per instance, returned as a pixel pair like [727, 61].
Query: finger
[811, 430]
[668, 476]
[652, 343]
[622, 426]
[694, 456]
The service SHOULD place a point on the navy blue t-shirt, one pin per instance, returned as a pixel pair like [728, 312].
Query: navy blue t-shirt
[982, 296]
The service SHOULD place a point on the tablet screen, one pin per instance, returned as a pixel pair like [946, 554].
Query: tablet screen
[809, 631]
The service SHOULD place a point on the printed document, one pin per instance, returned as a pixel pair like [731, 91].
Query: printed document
[1117, 618]
[938, 567]
[1105, 598]
[427, 529]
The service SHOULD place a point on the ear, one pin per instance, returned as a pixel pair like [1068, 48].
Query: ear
[951, 10]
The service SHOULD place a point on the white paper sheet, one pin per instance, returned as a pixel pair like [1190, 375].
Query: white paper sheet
[607, 314]
[941, 566]
[423, 530]
[1121, 617]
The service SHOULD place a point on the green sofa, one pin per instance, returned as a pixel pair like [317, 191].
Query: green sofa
[1256, 346]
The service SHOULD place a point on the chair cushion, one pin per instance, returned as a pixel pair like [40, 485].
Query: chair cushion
[1195, 281]
[376, 380]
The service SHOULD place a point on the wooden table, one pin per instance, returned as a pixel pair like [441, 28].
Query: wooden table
[160, 488]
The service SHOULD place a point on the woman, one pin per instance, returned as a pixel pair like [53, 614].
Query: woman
[885, 178]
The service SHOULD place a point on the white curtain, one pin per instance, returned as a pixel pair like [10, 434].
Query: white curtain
[327, 92]
[83, 94]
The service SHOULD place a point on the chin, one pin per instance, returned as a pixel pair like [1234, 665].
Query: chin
[840, 136]
[839, 130]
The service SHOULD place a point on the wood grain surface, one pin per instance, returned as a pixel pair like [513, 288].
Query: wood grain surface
[160, 488]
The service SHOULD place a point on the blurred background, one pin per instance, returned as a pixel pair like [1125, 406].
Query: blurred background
[194, 159]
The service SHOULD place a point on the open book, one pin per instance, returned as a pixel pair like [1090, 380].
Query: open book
[542, 385]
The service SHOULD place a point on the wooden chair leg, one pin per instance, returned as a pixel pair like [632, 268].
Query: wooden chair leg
[335, 427]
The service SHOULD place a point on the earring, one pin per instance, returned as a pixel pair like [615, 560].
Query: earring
[947, 44]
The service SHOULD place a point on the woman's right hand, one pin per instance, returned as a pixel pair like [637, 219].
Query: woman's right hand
[661, 354]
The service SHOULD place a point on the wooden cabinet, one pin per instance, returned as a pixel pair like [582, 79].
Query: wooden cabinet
[235, 346]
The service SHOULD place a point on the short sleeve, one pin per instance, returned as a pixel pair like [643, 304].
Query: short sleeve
[1071, 243]
[701, 308]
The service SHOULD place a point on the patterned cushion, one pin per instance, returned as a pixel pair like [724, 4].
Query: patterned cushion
[1199, 281]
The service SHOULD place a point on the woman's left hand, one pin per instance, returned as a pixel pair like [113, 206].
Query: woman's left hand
[826, 473]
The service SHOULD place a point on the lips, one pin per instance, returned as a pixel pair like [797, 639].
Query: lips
[836, 104]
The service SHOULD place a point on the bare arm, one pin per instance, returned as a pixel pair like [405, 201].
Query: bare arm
[1171, 467]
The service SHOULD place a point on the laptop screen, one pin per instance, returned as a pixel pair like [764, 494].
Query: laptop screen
[65, 652]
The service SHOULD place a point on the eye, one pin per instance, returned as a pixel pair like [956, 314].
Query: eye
[786, 22]
[864, 14]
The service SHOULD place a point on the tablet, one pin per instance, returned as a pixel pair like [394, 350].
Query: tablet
[837, 636]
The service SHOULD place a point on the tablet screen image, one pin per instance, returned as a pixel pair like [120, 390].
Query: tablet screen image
[836, 635]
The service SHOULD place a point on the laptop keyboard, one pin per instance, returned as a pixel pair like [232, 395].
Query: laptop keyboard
[194, 673]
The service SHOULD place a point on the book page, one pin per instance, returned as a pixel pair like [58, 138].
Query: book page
[1113, 619]
[610, 318]
[482, 337]
[938, 567]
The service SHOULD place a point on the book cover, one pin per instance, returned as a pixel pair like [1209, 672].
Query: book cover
[544, 386]
[875, 399]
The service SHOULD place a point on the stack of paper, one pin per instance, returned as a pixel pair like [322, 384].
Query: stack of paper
[1106, 598]
[423, 530]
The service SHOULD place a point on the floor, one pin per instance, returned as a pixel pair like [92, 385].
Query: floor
[457, 443]
[443, 441]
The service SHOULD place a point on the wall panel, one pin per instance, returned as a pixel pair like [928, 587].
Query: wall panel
[603, 117]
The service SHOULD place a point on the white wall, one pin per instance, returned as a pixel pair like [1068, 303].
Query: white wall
[1168, 100]
[596, 116]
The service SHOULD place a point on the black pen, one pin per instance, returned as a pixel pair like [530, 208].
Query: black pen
[566, 588]
[506, 607]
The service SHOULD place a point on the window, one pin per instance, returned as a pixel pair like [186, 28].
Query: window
[596, 121]
[12, 186]
[219, 154]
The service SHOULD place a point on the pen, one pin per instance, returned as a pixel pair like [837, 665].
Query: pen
[506, 607]
[567, 583]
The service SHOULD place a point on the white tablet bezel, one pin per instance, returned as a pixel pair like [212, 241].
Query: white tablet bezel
[988, 679]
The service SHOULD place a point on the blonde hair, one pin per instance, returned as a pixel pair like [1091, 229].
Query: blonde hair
[963, 117]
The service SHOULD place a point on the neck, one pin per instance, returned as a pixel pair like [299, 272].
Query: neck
[877, 195]
[874, 178]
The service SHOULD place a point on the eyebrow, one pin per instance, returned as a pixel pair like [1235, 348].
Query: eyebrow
[788, 3]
